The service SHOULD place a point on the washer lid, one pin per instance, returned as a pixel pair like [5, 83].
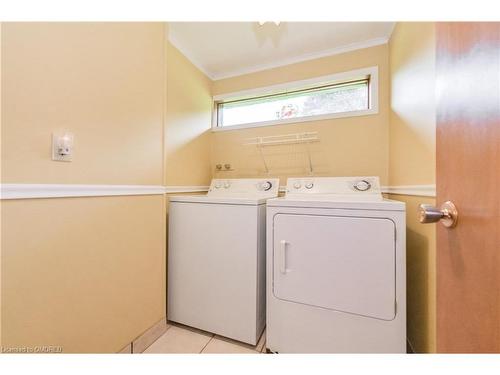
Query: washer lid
[246, 191]
[241, 200]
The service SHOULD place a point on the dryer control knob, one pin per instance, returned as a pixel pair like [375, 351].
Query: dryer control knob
[217, 185]
[267, 185]
[309, 185]
[227, 184]
[362, 185]
[297, 185]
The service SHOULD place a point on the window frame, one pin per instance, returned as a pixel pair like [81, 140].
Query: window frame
[338, 78]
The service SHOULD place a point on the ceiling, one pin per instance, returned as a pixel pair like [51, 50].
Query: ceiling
[225, 49]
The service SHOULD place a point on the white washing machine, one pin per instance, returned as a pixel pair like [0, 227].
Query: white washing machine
[336, 279]
[216, 258]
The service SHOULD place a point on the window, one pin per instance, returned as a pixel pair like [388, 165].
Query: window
[342, 95]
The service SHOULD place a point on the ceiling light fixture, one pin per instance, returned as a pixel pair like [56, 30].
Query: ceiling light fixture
[261, 23]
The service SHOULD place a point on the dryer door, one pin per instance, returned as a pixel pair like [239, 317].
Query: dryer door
[335, 262]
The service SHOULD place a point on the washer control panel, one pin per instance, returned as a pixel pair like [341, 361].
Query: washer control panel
[265, 187]
[362, 185]
[334, 187]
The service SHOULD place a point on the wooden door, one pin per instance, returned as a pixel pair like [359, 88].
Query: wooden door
[468, 173]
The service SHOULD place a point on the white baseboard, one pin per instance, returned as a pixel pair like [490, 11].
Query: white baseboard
[142, 342]
[127, 349]
[410, 345]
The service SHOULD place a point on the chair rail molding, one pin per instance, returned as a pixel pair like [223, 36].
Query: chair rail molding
[416, 190]
[32, 191]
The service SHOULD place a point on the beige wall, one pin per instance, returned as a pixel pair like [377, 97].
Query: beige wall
[101, 81]
[87, 274]
[84, 273]
[412, 162]
[348, 146]
[189, 113]
[412, 116]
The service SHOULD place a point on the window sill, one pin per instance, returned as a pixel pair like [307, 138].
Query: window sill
[296, 120]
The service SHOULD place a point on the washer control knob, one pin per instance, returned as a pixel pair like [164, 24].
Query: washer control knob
[266, 185]
[227, 184]
[309, 185]
[217, 185]
[297, 185]
[362, 185]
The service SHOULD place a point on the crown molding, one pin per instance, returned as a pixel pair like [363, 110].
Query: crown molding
[175, 42]
[301, 58]
[279, 62]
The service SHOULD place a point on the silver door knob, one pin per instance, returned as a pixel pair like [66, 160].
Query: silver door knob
[447, 214]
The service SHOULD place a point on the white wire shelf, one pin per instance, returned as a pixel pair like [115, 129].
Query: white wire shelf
[276, 140]
[284, 139]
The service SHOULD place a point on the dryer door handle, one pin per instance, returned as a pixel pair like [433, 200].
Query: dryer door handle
[283, 244]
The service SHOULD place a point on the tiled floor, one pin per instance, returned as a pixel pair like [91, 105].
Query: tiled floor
[182, 339]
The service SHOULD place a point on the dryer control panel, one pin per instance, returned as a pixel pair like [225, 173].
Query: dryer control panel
[334, 188]
[253, 187]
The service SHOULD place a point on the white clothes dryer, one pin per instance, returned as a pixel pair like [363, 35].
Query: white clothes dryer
[336, 272]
